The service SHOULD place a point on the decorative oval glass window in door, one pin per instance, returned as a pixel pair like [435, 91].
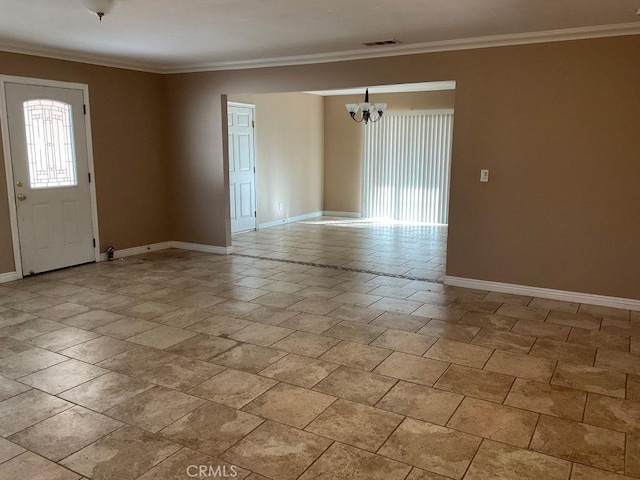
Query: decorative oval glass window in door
[49, 130]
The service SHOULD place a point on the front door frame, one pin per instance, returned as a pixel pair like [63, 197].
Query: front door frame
[8, 160]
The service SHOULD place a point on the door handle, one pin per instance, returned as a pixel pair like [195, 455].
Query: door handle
[22, 197]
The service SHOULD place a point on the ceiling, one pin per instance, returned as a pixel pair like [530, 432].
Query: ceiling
[192, 35]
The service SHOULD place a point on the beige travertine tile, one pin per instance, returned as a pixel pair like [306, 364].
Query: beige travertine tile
[526, 313]
[106, 391]
[182, 373]
[356, 385]
[219, 325]
[548, 399]
[61, 339]
[10, 346]
[620, 361]
[459, 353]
[29, 329]
[355, 424]
[63, 376]
[65, 433]
[182, 317]
[137, 361]
[472, 305]
[315, 307]
[211, 428]
[202, 347]
[488, 320]
[31, 466]
[124, 455]
[307, 344]
[623, 328]
[579, 443]
[356, 355]
[475, 383]
[424, 403]
[577, 320]
[497, 422]
[9, 450]
[358, 299]
[507, 341]
[582, 472]
[564, 352]
[10, 388]
[355, 313]
[509, 298]
[155, 408]
[598, 339]
[590, 379]
[278, 300]
[344, 461]
[613, 413]
[541, 329]
[290, 451]
[293, 406]
[397, 305]
[29, 361]
[187, 462]
[148, 310]
[62, 311]
[432, 447]
[233, 388]
[496, 460]
[449, 330]
[261, 334]
[204, 300]
[633, 387]
[294, 288]
[269, 315]
[437, 312]
[412, 368]
[632, 465]
[523, 366]
[247, 357]
[405, 342]
[92, 319]
[355, 332]
[605, 312]
[28, 408]
[310, 323]
[557, 305]
[430, 297]
[417, 474]
[400, 321]
[297, 370]
[98, 349]
[127, 327]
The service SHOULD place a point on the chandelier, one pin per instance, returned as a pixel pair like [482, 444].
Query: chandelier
[370, 112]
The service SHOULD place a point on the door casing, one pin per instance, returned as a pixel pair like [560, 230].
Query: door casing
[8, 160]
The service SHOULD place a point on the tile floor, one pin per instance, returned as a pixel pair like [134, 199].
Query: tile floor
[270, 369]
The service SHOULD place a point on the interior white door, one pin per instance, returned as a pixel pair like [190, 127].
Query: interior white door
[49, 155]
[242, 172]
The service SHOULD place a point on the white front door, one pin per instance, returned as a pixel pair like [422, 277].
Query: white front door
[242, 162]
[49, 154]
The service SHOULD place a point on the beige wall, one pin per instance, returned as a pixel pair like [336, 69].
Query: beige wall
[129, 146]
[289, 153]
[343, 142]
[555, 123]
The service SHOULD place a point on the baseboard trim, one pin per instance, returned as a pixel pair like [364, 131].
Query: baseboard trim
[9, 277]
[577, 297]
[283, 221]
[198, 247]
[329, 213]
[154, 247]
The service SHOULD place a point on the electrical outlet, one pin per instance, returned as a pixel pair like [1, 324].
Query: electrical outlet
[484, 176]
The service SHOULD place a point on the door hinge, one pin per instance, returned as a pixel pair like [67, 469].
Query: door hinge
[84, 109]
[255, 214]
[94, 243]
[254, 169]
[253, 124]
[89, 177]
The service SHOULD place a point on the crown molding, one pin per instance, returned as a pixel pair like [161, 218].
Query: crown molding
[548, 36]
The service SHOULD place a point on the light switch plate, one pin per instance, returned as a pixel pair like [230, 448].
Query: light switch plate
[484, 176]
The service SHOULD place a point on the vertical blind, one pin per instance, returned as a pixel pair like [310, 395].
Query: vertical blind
[407, 164]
